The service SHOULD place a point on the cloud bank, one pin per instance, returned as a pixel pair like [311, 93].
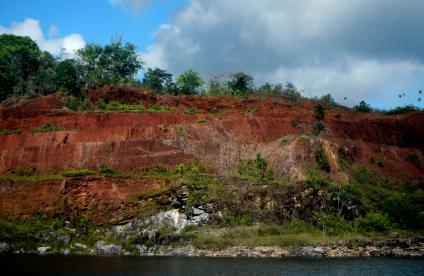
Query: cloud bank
[31, 27]
[362, 49]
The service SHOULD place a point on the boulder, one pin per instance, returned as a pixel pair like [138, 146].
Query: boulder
[42, 250]
[4, 247]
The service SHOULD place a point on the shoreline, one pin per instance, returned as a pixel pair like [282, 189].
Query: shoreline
[408, 247]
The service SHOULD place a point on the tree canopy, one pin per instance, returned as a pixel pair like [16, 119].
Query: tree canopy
[189, 82]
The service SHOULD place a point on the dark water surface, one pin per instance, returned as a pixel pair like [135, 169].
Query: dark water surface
[66, 265]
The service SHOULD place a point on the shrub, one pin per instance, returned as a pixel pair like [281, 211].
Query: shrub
[414, 160]
[295, 124]
[319, 112]
[374, 222]
[327, 99]
[318, 127]
[402, 110]
[47, 128]
[202, 120]
[321, 159]
[333, 224]
[362, 175]
[106, 171]
[187, 168]
[401, 209]
[314, 181]
[257, 168]
[363, 107]
[25, 172]
[78, 173]
[9, 132]
[180, 130]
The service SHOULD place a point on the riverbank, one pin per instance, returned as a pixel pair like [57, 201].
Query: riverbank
[410, 247]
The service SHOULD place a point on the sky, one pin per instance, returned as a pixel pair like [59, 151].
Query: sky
[370, 50]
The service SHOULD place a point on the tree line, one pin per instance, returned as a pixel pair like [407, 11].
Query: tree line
[25, 70]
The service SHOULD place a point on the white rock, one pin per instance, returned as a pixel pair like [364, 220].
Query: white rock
[42, 250]
[80, 245]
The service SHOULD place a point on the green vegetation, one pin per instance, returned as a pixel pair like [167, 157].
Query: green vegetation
[202, 120]
[78, 173]
[403, 110]
[9, 132]
[319, 112]
[321, 159]
[327, 99]
[189, 82]
[363, 107]
[29, 178]
[47, 128]
[256, 168]
[295, 124]
[318, 128]
[181, 131]
[121, 107]
[106, 171]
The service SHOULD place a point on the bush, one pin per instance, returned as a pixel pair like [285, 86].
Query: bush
[333, 224]
[402, 210]
[363, 107]
[319, 112]
[314, 181]
[187, 168]
[47, 128]
[321, 159]
[295, 124]
[257, 168]
[414, 160]
[9, 132]
[327, 99]
[318, 127]
[374, 222]
[106, 171]
[362, 175]
[403, 110]
[78, 173]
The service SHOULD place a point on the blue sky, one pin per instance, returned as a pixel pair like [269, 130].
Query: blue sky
[368, 50]
[96, 20]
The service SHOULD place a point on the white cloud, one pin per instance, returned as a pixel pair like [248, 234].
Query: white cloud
[133, 6]
[31, 27]
[357, 49]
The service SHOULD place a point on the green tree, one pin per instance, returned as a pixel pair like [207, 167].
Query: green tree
[69, 77]
[319, 112]
[119, 63]
[46, 74]
[19, 60]
[241, 84]
[189, 82]
[89, 57]
[327, 98]
[159, 81]
[363, 107]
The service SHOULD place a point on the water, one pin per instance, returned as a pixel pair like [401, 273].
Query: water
[66, 265]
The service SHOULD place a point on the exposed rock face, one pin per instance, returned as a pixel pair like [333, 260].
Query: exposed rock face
[104, 249]
[99, 199]
[231, 133]
[147, 228]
